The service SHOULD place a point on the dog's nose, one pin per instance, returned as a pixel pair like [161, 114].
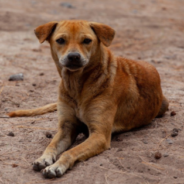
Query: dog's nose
[75, 56]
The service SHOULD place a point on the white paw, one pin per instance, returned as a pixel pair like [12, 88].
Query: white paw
[43, 161]
[55, 170]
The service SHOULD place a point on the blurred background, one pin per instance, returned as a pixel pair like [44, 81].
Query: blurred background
[150, 30]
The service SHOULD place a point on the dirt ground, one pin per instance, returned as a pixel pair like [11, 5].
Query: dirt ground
[150, 30]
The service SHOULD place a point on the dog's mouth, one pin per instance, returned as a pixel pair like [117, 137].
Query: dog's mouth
[73, 66]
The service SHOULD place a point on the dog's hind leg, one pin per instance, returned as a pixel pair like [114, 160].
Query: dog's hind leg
[164, 107]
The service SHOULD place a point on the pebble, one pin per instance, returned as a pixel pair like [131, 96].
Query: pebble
[11, 134]
[118, 139]
[33, 84]
[41, 74]
[144, 141]
[164, 8]
[174, 132]
[16, 77]
[36, 50]
[119, 149]
[14, 165]
[158, 155]
[66, 5]
[156, 62]
[48, 135]
[135, 11]
[169, 141]
[165, 154]
[173, 113]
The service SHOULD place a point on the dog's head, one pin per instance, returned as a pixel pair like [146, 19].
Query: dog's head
[74, 42]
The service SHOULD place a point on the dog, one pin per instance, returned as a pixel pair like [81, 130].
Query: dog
[99, 94]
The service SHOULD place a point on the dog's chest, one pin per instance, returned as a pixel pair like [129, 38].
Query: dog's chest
[79, 113]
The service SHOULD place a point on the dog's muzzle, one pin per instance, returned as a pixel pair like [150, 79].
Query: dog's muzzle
[73, 61]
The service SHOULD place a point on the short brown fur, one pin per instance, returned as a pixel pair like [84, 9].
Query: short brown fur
[109, 94]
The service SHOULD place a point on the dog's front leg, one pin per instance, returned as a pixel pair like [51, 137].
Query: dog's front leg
[68, 129]
[98, 141]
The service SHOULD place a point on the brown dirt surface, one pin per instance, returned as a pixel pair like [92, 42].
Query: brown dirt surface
[150, 30]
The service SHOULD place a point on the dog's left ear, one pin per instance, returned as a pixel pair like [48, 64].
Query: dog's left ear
[44, 31]
[104, 33]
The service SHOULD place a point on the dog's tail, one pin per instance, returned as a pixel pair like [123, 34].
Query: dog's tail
[33, 112]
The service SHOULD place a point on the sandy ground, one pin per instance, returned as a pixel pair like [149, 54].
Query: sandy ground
[150, 30]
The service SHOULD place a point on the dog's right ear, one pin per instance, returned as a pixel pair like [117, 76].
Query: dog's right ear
[44, 31]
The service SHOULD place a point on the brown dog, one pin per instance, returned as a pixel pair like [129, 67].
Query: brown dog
[98, 92]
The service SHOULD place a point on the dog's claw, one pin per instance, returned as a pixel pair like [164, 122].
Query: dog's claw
[48, 174]
[47, 164]
[58, 173]
[38, 166]
[53, 171]
[43, 162]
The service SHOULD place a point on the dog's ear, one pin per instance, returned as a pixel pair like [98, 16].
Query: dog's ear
[44, 31]
[104, 33]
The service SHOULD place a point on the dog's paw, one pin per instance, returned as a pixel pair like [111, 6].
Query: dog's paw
[55, 170]
[43, 162]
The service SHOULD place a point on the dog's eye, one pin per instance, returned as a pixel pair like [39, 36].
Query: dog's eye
[87, 41]
[60, 41]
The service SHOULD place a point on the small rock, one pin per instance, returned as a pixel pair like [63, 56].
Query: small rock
[31, 90]
[11, 134]
[41, 74]
[67, 5]
[173, 113]
[135, 11]
[175, 177]
[48, 135]
[156, 62]
[33, 84]
[118, 139]
[174, 132]
[158, 155]
[144, 141]
[36, 50]
[164, 8]
[119, 149]
[14, 165]
[33, 2]
[165, 154]
[169, 141]
[101, 164]
[16, 77]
